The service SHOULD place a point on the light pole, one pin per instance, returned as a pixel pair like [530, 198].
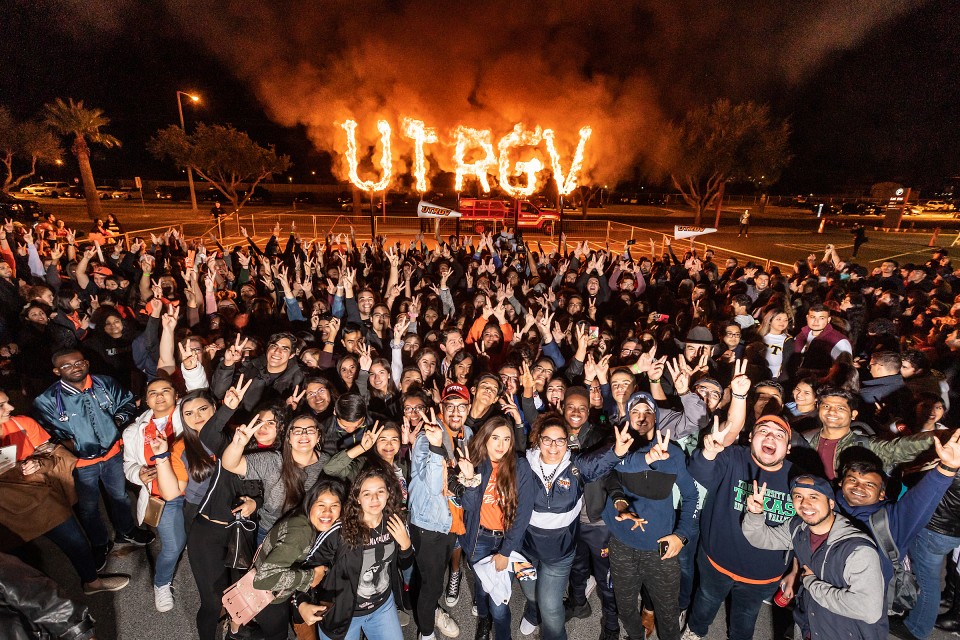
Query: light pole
[194, 98]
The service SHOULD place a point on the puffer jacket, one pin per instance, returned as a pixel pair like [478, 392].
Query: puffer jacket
[92, 419]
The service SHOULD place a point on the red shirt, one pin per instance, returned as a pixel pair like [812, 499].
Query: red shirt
[827, 450]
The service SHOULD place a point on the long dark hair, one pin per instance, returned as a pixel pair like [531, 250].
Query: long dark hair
[353, 530]
[292, 474]
[506, 468]
[199, 463]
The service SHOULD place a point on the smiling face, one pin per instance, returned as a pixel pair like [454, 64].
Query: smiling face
[813, 507]
[279, 353]
[6, 409]
[461, 370]
[304, 435]
[365, 302]
[835, 413]
[710, 394]
[37, 316]
[427, 365]
[862, 489]
[161, 397]
[266, 433]
[348, 371]
[325, 511]
[622, 385]
[769, 445]
[553, 444]
[804, 396]
[318, 397]
[388, 444]
[643, 419]
[196, 412]
[499, 443]
[576, 408]
[379, 377]
[373, 497]
[455, 413]
[779, 323]
[113, 327]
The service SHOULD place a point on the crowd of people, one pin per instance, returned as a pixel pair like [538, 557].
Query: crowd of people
[362, 427]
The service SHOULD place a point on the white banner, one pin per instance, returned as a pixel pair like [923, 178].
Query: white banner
[427, 210]
[680, 233]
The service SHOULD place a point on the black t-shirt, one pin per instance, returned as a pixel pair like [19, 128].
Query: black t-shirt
[373, 588]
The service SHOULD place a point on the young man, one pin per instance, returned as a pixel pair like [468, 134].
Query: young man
[843, 585]
[728, 564]
[85, 414]
[274, 374]
[818, 344]
[838, 410]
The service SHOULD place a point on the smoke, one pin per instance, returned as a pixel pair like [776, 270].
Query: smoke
[625, 68]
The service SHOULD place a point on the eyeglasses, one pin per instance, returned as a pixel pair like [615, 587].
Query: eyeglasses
[317, 393]
[507, 377]
[716, 395]
[539, 369]
[414, 408]
[630, 352]
[552, 442]
[79, 364]
[305, 431]
[732, 334]
[457, 408]
[380, 315]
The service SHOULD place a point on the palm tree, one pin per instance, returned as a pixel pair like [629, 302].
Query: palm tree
[73, 119]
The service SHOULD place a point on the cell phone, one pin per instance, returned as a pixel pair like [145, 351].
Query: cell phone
[631, 241]
[594, 332]
[664, 547]
[662, 317]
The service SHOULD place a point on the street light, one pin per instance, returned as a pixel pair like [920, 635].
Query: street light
[194, 98]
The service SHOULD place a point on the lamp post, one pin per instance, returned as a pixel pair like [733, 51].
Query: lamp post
[194, 98]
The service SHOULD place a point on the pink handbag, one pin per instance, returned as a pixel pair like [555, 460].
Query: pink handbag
[243, 601]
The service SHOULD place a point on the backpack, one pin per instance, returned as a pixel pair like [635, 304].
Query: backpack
[902, 590]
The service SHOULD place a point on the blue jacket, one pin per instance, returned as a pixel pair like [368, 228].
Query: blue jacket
[907, 516]
[93, 419]
[428, 508]
[473, 496]
[556, 514]
[649, 491]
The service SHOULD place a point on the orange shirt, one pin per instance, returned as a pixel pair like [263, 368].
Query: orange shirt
[23, 432]
[149, 433]
[114, 450]
[491, 515]
[176, 461]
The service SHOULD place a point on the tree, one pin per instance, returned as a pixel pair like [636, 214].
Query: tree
[724, 142]
[74, 120]
[223, 156]
[24, 144]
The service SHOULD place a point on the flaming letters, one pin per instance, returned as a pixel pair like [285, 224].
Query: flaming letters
[466, 140]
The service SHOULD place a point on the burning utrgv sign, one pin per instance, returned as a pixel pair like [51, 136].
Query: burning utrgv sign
[467, 140]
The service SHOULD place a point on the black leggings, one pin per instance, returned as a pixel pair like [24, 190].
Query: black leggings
[274, 621]
[207, 544]
[433, 554]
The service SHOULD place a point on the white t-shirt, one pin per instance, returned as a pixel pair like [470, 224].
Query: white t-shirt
[774, 352]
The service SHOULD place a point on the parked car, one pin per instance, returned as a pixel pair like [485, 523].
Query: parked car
[47, 189]
[824, 209]
[938, 205]
[26, 212]
[123, 193]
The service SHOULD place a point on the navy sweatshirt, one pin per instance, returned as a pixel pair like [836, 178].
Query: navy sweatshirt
[729, 482]
[907, 516]
[649, 490]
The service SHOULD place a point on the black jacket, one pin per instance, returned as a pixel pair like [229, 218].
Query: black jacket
[265, 386]
[32, 606]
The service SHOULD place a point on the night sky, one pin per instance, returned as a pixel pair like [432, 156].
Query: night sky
[871, 88]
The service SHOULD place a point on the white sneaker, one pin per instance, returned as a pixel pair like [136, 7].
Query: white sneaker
[690, 635]
[163, 598]
[683, 619]
[473, 611]
[526, 628]
[591, 585]
[445, 624]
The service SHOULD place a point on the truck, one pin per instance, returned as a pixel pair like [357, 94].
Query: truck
[522, 213]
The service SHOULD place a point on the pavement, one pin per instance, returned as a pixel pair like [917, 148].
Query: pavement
[130, 614]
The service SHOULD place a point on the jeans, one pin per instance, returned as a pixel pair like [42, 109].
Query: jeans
[545, 597]
[382, 624]
[688, 568]
[592, 556]
[927, 555]
[70, 538]
[433, 554]
[634, 570]
[488, 545]
[173, 538]
[745, 601]
[88, 480]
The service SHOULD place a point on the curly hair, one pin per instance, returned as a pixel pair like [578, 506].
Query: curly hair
[546, 420]
[506, 468]
[354, 531]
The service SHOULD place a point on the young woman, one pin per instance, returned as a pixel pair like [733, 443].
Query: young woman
[365, 555]
[284, 565]
[377, 386]
[461, 368]
[803, 412]
[779, 344]
[285, 474]
[622, 385]
[348, 367]
[497, 496]
[384, 442]
[160, 421]
[550, 540]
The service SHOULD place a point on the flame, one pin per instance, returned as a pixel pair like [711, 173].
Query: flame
[421, 135]
[477, 138]
[386, 158]
[519, 138]
[568, 184]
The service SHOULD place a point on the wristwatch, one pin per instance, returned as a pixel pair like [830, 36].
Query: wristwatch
[683, 539]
